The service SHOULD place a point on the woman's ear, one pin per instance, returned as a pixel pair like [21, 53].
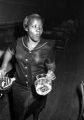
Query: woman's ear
[25, 23]
[26, 29]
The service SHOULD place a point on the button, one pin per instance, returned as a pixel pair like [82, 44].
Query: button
[27, 83]
[25, 67]
[26, 60]
[26, 75]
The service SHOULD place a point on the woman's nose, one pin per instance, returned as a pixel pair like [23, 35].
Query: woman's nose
[38, 28]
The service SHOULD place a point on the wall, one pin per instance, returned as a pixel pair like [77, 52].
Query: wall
[12, 11]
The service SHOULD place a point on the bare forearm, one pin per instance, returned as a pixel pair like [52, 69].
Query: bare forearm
[51, 66]
[1, 53]
[7, 58]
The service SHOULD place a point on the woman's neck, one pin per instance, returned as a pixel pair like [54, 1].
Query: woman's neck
[31, 44]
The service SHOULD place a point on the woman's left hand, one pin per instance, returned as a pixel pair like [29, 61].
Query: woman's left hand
[51, 75]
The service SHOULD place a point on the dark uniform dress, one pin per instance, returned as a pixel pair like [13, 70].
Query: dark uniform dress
[28, 64]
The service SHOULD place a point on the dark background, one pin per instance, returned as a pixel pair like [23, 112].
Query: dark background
[64, 22]
[11, 10]
[16, 10]
[55, 12]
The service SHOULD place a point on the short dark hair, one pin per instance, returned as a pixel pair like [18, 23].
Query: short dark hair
[27, 20]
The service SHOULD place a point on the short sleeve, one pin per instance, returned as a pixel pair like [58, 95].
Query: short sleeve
[12, 47]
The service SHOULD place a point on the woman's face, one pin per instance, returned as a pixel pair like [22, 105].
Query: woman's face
[35, 29]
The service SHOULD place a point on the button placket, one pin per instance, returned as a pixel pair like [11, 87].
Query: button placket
[25, 67]
[27, 70]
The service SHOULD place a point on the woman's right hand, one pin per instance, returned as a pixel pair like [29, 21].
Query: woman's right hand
[2, 72]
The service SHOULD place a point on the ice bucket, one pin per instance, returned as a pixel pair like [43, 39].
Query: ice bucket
[42, 84]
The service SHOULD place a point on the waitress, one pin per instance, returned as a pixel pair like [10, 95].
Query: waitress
[33, 55]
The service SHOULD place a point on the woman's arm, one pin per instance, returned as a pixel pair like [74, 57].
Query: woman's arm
[50, 62]
[1, 53]
[51, 71]
[6, 60]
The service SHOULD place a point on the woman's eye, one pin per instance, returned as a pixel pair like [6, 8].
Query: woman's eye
[34, 26]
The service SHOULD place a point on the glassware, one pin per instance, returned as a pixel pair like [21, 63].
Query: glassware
[6, 82]
[42, 84]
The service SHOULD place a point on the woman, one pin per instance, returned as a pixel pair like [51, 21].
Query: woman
[33, 56]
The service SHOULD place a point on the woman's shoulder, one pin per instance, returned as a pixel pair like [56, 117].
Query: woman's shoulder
[50, 42]
[20, 39]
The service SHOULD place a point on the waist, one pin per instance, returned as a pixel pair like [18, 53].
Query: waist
[23, 81]
[25, 86]
[21, 89]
